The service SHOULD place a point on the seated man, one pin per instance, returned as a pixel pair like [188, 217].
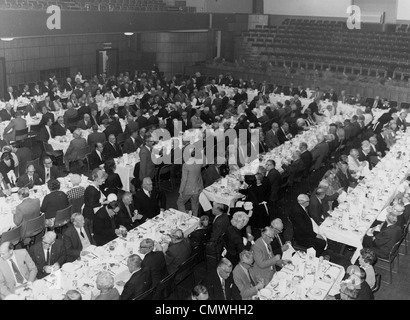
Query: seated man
[104, 226]
[140, 280]
[265, 261]
[381, 238]
[220, 282]
[126, 216]
[77, 237]
[148, 201]
[29, 179]
[28, 209]
[278, 244]
[154, 261]
[48, 255]
[177, 251]
[16, 268]
[97, 157]
[244, 278]
[304, 233]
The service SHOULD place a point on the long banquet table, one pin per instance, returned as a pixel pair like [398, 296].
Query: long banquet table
[112, 257]
[350, 221]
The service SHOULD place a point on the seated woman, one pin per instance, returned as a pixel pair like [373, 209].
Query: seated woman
[367, 260]
[7, 168]
[54, 201]
[235, 242]
[113, 182]
[105, 283]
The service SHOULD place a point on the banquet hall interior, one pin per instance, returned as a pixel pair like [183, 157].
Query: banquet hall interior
[204, 149]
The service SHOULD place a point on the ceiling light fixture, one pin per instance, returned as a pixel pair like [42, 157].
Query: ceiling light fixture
[128, 33]
[7, 39]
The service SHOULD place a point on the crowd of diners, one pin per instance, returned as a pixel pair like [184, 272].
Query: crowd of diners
[252, 240]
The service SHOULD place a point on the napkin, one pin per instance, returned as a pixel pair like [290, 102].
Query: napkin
[310, 252]
[287, 255]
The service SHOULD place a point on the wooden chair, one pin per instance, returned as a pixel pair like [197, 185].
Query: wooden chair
[13, 235]
[165, 175]
[55, 155]
[185, 270]
[394, 253]
[378, 283]
[63, 217]
[21, 136]
[165, 287]
[147, 295]
[34, 227]
[77, 204]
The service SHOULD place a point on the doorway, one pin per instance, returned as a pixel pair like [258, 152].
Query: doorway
[107, 61]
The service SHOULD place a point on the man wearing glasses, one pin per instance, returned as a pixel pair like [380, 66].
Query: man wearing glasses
[29, 179]
[265, 260]
[48, 255]
[48, 171]
[279, 245]
[16, 268]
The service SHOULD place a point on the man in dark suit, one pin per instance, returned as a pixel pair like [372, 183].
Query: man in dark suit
[154, 261]
[49, 255]
[275, 181]
[29, 179]
[77, 237]
[283, 133]
[95, 117]
[59, 128]
[383, 236]
[316, 206]
[7, 113]
[147, 166]
[126, 216]
[271, 138]
[148, 201]
[345, 178]
[113, 127]
[85, 123]
[67, 85]
[401, 121]
[97, 157]
[219, 226]
[140, 280]
[178, 250]
[48, 171]
[319, 152]
[303, 228]
[279, 243]
[220, 283]
[306, 157]
[104, 226]
[211, 174]
[130, 144]
[131, 125]
[112, 148]
[46, 132]
[95, 137]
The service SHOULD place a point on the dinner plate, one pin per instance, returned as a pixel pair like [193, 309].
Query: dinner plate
[315, 292]
[14, 189]
[68, 267]
[266, 293]
[281, 275]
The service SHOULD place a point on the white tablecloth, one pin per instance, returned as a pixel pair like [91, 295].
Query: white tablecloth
[81, 275]
[303, 283]
[350, 221]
